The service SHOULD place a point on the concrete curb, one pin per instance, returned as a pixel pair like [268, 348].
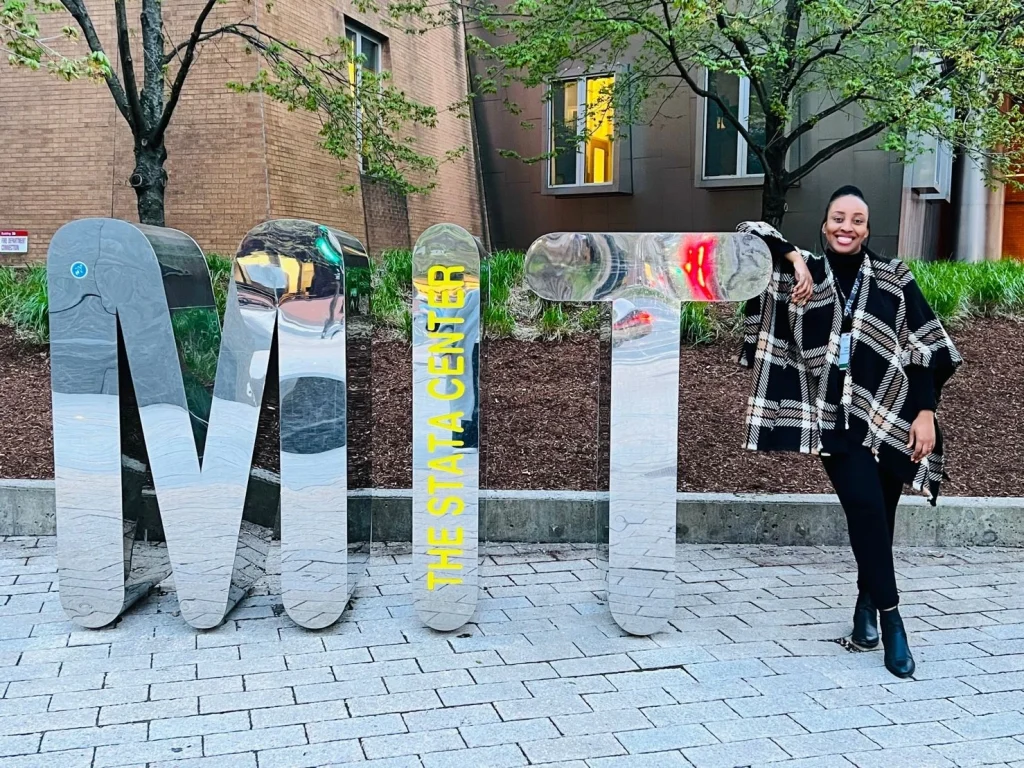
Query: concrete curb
[27, 509]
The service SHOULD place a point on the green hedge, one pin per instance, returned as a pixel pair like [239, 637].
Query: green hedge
[23, 302]
[956, 291]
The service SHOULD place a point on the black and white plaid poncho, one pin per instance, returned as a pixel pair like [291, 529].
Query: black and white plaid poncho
[800, 396]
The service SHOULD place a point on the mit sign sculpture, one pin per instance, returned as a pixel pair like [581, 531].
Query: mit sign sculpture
[140, 368]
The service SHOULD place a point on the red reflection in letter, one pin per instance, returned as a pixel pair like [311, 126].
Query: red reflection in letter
[696, 255]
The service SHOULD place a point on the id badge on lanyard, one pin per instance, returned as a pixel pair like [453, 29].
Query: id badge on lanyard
[844, 351]
[845, 340]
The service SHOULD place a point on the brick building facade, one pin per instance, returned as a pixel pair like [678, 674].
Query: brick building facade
[233, 160]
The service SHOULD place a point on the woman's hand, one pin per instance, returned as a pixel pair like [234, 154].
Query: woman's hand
[804, 282]
[922, 435]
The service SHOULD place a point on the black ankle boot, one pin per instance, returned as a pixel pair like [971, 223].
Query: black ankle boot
[898, 658]
[865, 622]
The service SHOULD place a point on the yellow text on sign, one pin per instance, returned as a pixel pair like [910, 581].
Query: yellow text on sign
[446, 364]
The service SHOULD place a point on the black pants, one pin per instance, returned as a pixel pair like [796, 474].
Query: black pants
[869, 496]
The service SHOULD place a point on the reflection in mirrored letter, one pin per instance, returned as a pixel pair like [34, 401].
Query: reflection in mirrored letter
[446, 407]
[646, 276]
[299, 266]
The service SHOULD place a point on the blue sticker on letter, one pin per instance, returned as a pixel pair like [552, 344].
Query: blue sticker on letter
[79, 270]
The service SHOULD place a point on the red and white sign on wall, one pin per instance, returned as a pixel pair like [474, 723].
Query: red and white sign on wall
[13, 241]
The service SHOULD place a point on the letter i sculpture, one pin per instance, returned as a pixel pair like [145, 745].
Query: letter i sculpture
[446, 417]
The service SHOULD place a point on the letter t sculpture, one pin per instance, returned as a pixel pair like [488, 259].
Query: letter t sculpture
[646, 276]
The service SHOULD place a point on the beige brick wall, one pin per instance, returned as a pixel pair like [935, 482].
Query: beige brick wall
[305, 181]
[432, 69]
[233, 160]
[217, 185]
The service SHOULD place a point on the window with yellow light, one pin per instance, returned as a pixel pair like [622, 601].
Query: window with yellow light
[582, 109]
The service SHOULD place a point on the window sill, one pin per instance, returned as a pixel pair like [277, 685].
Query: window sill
[732, 182]
[585, 190]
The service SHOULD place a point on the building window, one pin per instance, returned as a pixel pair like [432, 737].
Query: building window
[726, 154]
[365, 49]
[582, 107]
[931, 173]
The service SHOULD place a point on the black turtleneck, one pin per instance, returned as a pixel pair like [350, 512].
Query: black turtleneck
[845, 267]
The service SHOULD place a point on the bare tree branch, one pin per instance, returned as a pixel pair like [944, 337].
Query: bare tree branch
[813, 120]
[152, 53]
[748, 60]
[81, 16]
[209, 35]
[670, 46]
[832, 51]
[832, 150]
[124, 52]
[792, 27]
[179, 81]
[929, 91]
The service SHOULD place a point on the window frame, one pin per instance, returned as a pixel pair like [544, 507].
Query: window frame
[581, 120]
[358, 33]
[937, 153]
[741, 177]
[621, 166]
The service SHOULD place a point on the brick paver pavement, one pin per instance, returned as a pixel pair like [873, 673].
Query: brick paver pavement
[749, 675]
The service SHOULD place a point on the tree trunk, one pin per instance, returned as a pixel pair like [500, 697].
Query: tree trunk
[773, 194]
[150, 183]
[773, 198]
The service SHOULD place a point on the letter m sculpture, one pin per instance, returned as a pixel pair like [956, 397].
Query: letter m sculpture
[150, 289]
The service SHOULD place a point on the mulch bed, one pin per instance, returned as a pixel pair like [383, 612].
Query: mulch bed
[26, 427]
[543, 427]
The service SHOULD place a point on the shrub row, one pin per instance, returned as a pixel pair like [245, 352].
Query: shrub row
[957, 291]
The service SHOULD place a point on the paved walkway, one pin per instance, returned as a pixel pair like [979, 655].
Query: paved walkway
[749, 676]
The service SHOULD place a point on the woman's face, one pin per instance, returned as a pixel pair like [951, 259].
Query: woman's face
[846, 226]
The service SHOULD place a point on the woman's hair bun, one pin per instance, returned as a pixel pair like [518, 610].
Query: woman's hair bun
[847, 189]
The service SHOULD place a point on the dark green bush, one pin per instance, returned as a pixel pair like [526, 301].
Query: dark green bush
[955, 290]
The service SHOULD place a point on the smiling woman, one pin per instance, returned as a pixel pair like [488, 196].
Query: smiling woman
[852, 370]
[846, 222]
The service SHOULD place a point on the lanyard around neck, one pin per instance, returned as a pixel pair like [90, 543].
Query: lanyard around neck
[848, 308]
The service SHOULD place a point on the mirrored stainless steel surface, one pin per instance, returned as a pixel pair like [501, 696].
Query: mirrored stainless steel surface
[446, 405]
[299, 266]
[154, 284]
[91, 265]
[645, 276]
